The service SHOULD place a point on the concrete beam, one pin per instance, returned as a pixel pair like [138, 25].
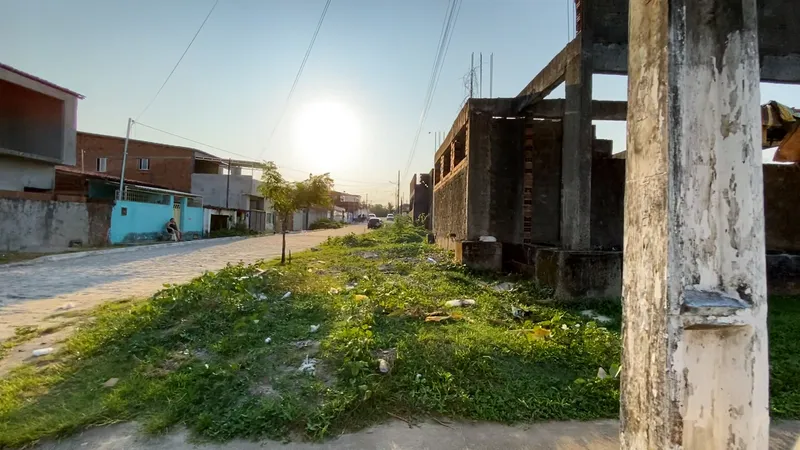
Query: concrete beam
[695, 354]
[551, 76]
[601, 109]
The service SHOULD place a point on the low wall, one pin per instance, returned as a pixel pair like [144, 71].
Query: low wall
[33, 225]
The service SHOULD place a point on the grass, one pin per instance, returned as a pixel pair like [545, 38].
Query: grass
[195, 354]
[13, 257]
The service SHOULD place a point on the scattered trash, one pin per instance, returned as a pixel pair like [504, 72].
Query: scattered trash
[383, 366]
[43, 351]
[256, 320]
[419, 376]
[261, 297]
[308, 366]
[65, 306]
[313, 328]
[333, 291]
[487, 239]
[286, 295]
[360, 298]
[431, 260]
[505, 287]
[314, 249]
[365, 277]
[305, 343]
[601, 373]
[564, 326]
[615, 370]
[596, 317]
[461, 302]
[350, 287]
[111, 382]
[268, 340]
[370, 255]
[519, 313]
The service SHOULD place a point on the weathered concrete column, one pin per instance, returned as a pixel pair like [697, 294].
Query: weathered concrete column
[695, 369]
[576, 156]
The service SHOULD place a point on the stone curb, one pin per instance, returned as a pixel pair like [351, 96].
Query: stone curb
[133, 248]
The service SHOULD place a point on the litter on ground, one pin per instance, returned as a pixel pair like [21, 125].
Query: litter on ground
[308, 366]
[43, 351]
[460, 302]
[286, 295]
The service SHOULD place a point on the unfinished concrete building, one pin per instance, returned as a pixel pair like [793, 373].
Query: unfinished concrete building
[530, 173]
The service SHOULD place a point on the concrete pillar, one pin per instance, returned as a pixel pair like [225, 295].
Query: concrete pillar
[695, 369]
[576, 156]
[184, 203]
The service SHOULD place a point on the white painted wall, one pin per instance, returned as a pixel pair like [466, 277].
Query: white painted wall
[213, 188]
[41, 226]
[18, 173]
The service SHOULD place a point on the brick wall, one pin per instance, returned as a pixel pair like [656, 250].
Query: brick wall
[170, 166]
[781, 211]
[542, 182]
[450, 200]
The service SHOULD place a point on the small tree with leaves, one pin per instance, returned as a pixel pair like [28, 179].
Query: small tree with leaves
[290, 196]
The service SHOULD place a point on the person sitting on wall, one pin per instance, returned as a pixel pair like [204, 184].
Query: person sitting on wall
[172, 229]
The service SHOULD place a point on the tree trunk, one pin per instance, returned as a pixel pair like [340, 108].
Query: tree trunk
[283, 244]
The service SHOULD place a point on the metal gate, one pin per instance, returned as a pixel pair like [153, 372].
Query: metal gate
[258, 221]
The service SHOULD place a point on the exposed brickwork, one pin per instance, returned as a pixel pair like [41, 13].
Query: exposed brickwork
[170, 166]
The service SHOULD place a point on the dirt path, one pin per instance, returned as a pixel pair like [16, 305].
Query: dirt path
[396, 435]
[45, 294]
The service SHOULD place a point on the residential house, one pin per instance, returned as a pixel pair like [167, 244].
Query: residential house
[37, 130]
[140, 215]
[229, 198]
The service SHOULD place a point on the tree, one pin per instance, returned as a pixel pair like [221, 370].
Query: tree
[290, 196]
[379, 210]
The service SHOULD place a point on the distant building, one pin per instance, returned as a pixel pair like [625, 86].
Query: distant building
[229, 197]
[37, 130]
[420, 197]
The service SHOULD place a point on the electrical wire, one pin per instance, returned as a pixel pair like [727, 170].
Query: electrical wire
[451, 17]
[299, 73]
[179, 60]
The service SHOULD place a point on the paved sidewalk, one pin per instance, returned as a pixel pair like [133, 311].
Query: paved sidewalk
[29, 294]
[396, 435]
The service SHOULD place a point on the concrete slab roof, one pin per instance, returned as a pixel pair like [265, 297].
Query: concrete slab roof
[40, 80]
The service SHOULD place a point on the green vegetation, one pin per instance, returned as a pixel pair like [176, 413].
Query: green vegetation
[326, 224]
[290, 196]
[196, 354]
[240, 229]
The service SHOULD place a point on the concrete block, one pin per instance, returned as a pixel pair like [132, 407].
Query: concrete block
[577, 274]
[480, 255]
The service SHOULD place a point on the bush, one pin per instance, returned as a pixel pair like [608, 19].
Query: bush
[325, 224]
[240, 229]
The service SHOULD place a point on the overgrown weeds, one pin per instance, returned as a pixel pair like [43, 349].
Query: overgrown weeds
[222, 354]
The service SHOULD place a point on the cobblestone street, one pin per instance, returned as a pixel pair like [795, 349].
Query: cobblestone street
[29, 294]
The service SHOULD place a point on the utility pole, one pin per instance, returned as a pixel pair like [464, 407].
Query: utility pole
[491, 73]
[398, 192]
[228, 184]
[83, 153]
[471, 73]
[124, 160]
[480, 86]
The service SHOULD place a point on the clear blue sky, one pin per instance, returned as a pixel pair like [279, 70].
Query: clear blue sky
[372, 58]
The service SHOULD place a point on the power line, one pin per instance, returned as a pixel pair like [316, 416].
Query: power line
[194, 141]
[451, 17]
[249, 158]
[299, 72]
[179, 60]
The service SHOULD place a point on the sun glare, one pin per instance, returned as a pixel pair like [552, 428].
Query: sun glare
[327, 135]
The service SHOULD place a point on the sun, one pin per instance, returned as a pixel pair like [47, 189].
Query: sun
[327, 135]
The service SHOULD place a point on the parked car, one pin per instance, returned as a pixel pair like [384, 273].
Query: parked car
[390, 217]
[372, 215]
[374, 223]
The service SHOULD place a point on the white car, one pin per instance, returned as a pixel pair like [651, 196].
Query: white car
[371, 216]
[390, 217]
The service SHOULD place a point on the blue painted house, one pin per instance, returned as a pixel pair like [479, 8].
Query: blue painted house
[144, 209]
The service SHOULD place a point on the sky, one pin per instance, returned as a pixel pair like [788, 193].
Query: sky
[357, 106]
